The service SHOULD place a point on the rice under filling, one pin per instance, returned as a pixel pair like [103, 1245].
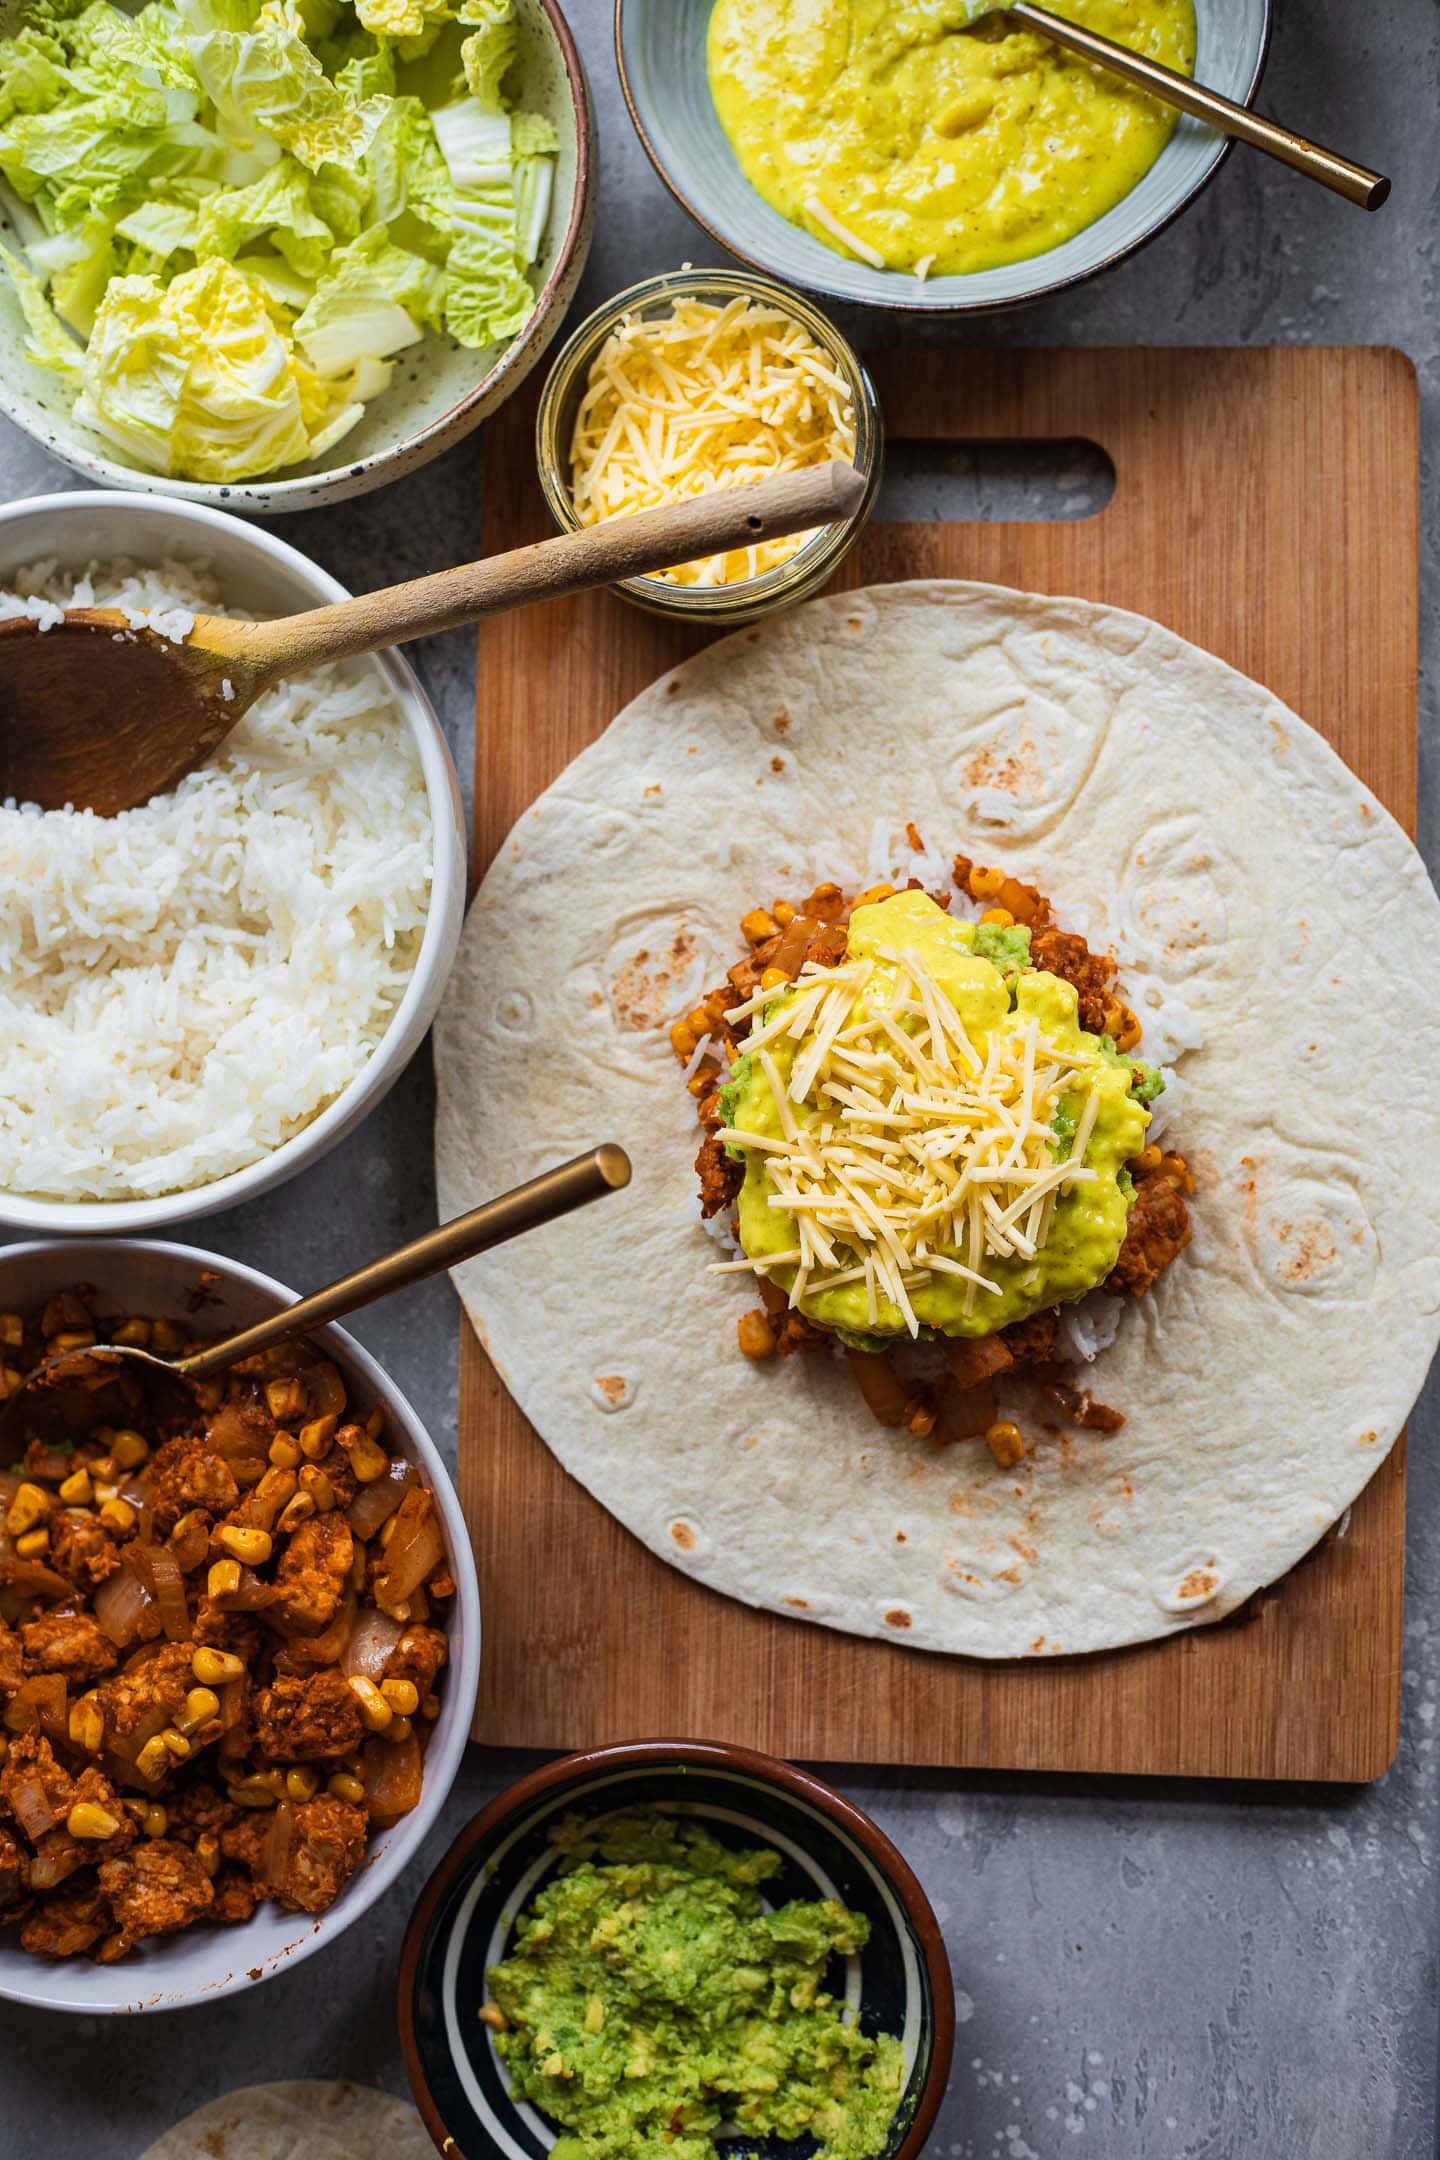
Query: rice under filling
[183, 988]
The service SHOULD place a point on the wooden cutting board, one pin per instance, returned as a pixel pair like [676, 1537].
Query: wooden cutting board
[1266, 506]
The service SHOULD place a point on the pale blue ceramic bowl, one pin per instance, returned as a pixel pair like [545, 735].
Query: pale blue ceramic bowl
[660, 46]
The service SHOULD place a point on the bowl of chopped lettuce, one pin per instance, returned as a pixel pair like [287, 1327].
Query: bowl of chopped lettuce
[272, 253]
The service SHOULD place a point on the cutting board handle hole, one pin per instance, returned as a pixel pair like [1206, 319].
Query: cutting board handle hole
[970, 483]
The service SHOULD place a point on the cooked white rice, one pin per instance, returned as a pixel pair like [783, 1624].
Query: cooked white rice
[186, 986]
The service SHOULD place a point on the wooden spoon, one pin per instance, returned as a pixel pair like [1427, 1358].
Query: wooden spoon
[1340, 174]
[99, 716]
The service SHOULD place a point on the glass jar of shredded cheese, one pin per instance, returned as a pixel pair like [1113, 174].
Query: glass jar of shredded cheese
[701, 379]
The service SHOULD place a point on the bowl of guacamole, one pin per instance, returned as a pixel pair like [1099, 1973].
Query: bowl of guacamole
[676, 1951]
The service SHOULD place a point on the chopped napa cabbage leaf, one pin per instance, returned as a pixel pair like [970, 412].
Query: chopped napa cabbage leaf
[198, 377]
[374, 300]
[491, 50]
[246, 207]
[48, 343]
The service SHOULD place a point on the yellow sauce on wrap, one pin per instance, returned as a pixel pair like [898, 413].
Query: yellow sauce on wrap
[896, 133]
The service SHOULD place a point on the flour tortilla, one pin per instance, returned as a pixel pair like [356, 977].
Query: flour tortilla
[304, 2119]
[1140, 782]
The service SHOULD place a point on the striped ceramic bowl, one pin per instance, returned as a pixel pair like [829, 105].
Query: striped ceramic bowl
[900, 1983]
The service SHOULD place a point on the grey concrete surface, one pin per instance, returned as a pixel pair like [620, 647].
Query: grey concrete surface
[1145, 1972]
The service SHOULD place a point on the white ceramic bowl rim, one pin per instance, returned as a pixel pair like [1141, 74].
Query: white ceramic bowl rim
[314, 586]
[226, 1955]
[676, 138]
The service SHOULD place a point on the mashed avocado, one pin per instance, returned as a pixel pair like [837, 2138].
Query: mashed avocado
[938, 146]
[652, 1997]
[983, 972]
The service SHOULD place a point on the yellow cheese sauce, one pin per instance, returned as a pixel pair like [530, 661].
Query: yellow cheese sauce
[931, 147]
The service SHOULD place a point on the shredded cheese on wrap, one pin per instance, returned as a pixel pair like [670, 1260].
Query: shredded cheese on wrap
[906, 1149]
[706, 397]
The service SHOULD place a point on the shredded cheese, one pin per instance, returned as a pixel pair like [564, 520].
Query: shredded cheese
[706, 397]
[906, 1150]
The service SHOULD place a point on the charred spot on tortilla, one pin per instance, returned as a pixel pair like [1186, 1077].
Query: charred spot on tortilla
[929, 1127]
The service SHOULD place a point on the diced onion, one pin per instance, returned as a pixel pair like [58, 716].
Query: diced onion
[280, 1839]
[120, 1603]
[369, 1648]
[30, 1804]
[38, 1705]
[325, 1388]
[375, 1503]
[416, 1549]
[159, 1572]
[392, 1776]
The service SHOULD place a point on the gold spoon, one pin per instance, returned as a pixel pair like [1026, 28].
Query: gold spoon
[1355, 182]
[100, 716]
[79, 1389]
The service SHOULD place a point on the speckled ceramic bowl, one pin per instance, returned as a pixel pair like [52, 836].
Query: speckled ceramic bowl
[660, 45]
[439, 391]
[900, 1983]
[201, 1963]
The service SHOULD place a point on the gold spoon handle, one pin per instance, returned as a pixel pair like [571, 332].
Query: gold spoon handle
[599, 555]
[573, 1184]
[1355, 182]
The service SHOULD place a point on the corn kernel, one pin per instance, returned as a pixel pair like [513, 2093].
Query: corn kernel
[154, 1759]
[920, 1419]
[376, 1712]
[156, 1820]
[756, 927]
[201, 1704]
[375, 1424]
[315, 1438]
[176, 1744]
[683, 1039]
[207, 1851]
[874, 893]
[76, 1490]
[284, 1399]
[319, 1487]
[430, 1708]
[212, 1668]
[755, 1335]
[1000, 917]
[1005, 1442]
[774, 979]
[30, 1505]
[73, 1339]
[297, 1510]
[283, 1451]
[402, 1695]
[1148, 1158]
[87, 1724]
[118, 1515]
[387, 1531]
[492, 2015]
[223, 1579]
[12, 1329]
[367, 1460]
[130, 1450]
[132, 1334]
[253, 1792]
[9, 1380]
[985, 883]
[301, 1783]
[87, 1819]
[398, 1729]
[346, 1787]
[33, 1544]
[253, 1547]
[167, 1337]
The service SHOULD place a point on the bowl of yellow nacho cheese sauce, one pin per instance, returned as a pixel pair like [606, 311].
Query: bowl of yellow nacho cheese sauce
[648, 1947]
[698, 379]
[888, 152]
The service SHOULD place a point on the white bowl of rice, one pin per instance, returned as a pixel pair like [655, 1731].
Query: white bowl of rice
[200, 997]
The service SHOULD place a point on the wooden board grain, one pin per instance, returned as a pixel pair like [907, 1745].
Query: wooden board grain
[1266, 506]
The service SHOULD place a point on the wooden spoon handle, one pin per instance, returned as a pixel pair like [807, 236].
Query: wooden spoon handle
[1355, 182]
[599, 555]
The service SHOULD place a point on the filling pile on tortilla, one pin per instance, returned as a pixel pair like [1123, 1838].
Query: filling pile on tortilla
[931, 1130]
